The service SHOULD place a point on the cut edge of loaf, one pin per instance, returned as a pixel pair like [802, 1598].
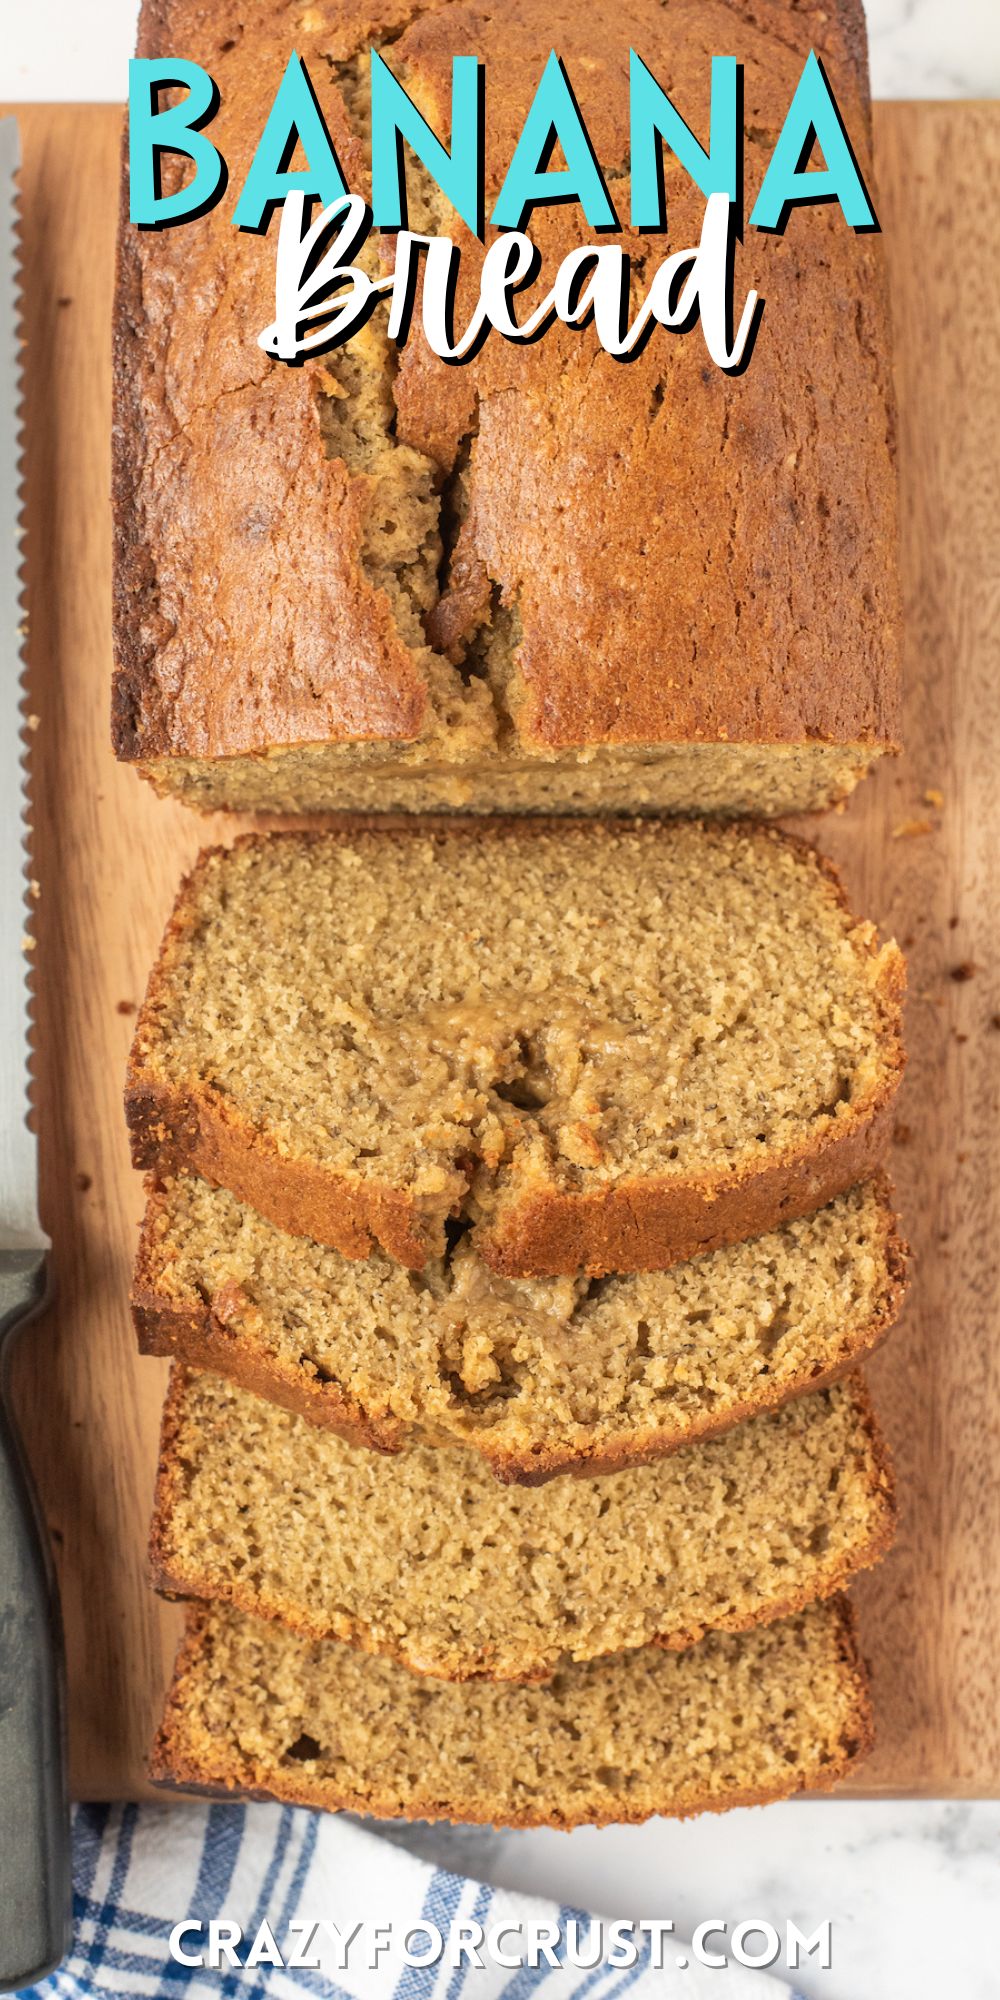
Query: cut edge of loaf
[352, 1631]
[764, 780]
[175, 1765]
[639, 1223]
[200, 1338]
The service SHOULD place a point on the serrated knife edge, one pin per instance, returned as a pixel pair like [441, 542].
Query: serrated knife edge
[19, 1223]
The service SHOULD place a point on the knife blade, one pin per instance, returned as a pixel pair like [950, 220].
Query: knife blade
[34, 1815]
[20, 1228]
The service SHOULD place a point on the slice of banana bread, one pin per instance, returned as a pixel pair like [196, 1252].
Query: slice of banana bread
[736, 1721]
[538, 1375]
[425, 1558]
[612, 1046]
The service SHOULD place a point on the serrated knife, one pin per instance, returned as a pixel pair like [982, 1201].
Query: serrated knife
[34, 1816]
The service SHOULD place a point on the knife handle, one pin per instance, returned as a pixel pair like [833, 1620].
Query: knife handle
[35, 1874]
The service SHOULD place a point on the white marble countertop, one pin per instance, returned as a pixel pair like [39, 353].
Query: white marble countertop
[909, 1888]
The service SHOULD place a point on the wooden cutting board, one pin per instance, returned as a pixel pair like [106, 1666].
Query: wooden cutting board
[921, 847]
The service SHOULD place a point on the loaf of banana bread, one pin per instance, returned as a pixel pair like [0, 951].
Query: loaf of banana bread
[544, 579]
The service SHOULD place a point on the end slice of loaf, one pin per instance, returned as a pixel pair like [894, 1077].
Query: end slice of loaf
[537, 1375]
[425, 1558]
[612, 1046]
[735, 1721]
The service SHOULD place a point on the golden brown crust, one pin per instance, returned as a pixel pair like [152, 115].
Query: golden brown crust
[639, 1225]
[167, 1577]
[196, 1335]
[202, 1340]
[759, 603]
[635, 1225]
[170, 1132]
[650, 1224]
[172, 1766]
[177, 1774]
[351, 1214]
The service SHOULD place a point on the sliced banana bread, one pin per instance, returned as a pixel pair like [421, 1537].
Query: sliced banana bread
[736, 1721]
[538, 1375]
[612, 1046]
[424, 1557]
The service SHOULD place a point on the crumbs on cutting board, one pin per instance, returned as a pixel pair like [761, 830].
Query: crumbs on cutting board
[911, 829]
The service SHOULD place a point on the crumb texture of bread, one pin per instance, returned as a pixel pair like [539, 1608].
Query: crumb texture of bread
[727, 780]
[539, 1376]
[542, 580]
[609, 1046]
[735, 1721]
[426, 1558]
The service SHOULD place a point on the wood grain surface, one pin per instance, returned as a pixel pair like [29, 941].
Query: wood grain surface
[920, 847]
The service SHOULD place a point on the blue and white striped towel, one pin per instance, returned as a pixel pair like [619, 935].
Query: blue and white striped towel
[139, 1872]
